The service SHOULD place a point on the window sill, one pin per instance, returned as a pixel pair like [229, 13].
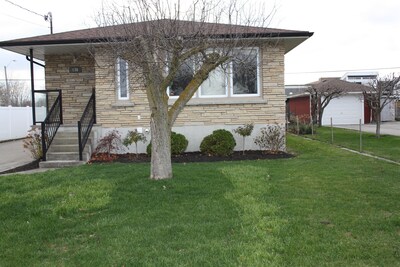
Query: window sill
[122, 104]
[223, 101]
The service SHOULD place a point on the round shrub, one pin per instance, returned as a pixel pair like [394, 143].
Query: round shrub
[219, 143]
[179, 144]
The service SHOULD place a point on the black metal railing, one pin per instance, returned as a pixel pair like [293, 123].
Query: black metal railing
[86, 123]
[51, 124]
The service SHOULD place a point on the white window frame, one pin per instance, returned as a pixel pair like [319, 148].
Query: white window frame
[118, 79]
[258, 74]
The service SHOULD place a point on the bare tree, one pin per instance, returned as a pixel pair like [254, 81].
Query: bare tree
[325, 90]
[321, 94]
[381, 92]
[172, 52]
[17, 94]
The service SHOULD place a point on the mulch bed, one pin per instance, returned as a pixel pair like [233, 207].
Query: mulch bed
[190, 157]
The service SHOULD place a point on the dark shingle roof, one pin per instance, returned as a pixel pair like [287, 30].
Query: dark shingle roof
[186, 28]
[338, 83]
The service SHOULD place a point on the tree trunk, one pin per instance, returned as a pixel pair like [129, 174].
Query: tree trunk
[378, 123]
[320, 113]
[161, 167]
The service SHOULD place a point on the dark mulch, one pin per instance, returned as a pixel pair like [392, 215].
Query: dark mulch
[191, 157]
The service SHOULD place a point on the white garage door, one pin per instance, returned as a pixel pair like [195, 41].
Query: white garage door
[348, 109]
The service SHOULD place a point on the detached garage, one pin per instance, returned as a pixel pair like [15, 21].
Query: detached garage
[349, 108]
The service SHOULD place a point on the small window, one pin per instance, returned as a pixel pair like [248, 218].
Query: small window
[215, 85]
[245, 73]
[122, 79]
[183, 77]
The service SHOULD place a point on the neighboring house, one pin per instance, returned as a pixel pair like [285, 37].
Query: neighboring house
[119, 105]
[365, 78]
[346, 109]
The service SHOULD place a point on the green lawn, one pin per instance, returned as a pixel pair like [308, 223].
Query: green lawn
[326, 207]
[388, 146]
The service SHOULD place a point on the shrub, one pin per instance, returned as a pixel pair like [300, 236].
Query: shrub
[111, 142]
[219, 143]
[244, 131]
[179, 144]
[134, 137]
[33, 143]
[271, 138]
[303, 127]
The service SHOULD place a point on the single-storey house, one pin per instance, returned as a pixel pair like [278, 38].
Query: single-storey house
[90, 83]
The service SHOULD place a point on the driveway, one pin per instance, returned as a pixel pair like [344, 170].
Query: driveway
[391, 127]
[12, 155]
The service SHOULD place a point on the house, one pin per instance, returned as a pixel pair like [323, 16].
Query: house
[365, 78]
[349, 108]
[83, 78]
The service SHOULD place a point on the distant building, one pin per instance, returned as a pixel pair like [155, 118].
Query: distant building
[364, 78]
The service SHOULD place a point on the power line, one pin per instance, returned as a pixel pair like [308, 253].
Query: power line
[47, 17]
[30, 22]
[33, 12]
[325, 71]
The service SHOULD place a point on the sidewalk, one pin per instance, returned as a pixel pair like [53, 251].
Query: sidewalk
[391, 128]
[12, 155]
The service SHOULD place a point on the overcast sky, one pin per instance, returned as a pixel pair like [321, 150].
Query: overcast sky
[349, 35]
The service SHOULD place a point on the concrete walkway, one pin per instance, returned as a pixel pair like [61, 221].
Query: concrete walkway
[13, 154]
[391, 128]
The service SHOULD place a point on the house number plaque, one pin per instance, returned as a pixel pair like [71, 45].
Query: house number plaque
[75, 69]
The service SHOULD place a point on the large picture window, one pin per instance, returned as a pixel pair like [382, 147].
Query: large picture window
[122, 79]
[238, 78]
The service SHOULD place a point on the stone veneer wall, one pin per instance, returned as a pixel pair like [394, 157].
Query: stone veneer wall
[267, 109]
[76, 87]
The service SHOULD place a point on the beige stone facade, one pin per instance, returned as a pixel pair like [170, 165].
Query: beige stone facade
[76, 87]
[200, 113]
[267, 108]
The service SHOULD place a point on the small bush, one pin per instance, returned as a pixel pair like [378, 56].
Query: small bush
[33, 143]
[111, 142]
[271, 138]
[134, 137]
[304, 126]
[219, 143]
[179, 144]
[244, 131]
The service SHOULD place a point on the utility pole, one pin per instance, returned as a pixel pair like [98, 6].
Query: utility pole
[7, 86]
[49, 17]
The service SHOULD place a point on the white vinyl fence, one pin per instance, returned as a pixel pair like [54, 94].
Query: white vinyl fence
[15, 122]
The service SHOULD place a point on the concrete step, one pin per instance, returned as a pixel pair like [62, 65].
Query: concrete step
[60, 163]
[66, 148]
[65, 141]
[54, 156]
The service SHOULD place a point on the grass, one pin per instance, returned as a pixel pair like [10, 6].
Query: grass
[326, 207]
[387, 146]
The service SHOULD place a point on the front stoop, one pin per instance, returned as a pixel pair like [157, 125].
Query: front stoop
[64, 150]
